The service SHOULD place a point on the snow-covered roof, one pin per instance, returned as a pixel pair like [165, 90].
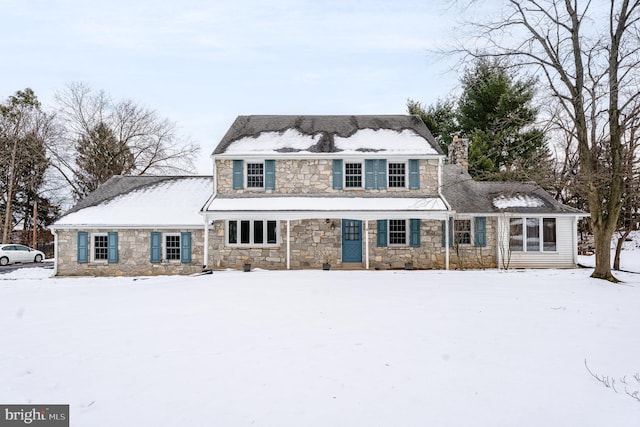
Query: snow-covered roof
[517, 201]
[331, 207]
[142, 201]
[295, 135]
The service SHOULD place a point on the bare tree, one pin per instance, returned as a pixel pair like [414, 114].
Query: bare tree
[588, 52]
[128, 139]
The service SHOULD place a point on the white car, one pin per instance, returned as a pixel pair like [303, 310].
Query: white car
[11, 254]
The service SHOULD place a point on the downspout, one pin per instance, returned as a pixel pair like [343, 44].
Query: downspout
[288, 244]
[206, 243]
[55, 251]
[366, 244]
[448, 206]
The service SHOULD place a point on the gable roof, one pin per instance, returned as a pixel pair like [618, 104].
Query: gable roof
[468, 196]
[389, 134]
[145, 201]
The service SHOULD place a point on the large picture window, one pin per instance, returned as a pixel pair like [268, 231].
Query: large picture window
[532, 235]
[252, 233]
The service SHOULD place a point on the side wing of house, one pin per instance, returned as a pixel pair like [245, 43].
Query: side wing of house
[135, 226]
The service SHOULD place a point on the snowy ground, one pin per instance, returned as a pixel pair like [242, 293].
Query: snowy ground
[314, 348]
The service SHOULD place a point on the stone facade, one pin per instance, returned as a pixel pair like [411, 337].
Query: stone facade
[315, 176]
[134, 255]
[314, 242]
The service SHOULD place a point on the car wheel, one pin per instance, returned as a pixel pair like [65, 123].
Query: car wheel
[38, 258]
[4, 260]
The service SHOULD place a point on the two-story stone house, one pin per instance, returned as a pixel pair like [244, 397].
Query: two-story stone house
[291, 192]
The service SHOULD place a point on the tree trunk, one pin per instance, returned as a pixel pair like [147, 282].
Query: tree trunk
[8, 214]
[603, 254]
[621, 240]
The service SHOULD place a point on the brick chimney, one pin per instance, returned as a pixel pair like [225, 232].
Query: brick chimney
[459, 152]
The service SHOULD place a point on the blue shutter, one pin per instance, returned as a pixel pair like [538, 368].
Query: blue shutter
[382, 233]
[112, 247]
[83, 247]
[156, 249]
[381, 175]
[414, 240]
[270, 174]
[185, 247]
[481, 231]
[414, 174]
[238, 175]
[337, 174]
[370, 174]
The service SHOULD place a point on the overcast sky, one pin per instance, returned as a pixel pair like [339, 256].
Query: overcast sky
[202, 63]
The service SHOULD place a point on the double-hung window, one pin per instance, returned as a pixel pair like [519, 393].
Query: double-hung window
[252, 233]
[100, 247]
[172, 247]
[255, 175]
[353, 175]
[397, 173]
[462, 231]
[397, 232]
[532, 234]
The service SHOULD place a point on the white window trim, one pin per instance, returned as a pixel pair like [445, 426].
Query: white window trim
[406, 174]
[344, 174]
[246, 175]
[472, 231]
[164, 247]
[251, 239]
[540, 231]
[407, 234]
[92, 247]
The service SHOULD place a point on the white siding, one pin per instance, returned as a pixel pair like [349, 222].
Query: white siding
[562, 258]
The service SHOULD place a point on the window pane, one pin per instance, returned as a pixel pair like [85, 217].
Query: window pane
[396, 175]
[172, 245]
[462, 231]
[533, 234]
[353, 175]
[100, 247]
[549, 234]
[255, 175]
[515, 234]
[233, 232]
[258, 232]
[351, 230]
[397, 232]
[272, 234]
[244, 232]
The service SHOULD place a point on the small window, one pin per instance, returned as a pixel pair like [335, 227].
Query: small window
[252, 233]
[462, 231]
[397, 232]
[549, 234]
[172, 247]
[353, 175]
[515, 234]
[255, 175]
[533, 234]
[100, 247]
[397, 175]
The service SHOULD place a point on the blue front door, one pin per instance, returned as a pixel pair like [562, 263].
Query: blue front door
[351, 240]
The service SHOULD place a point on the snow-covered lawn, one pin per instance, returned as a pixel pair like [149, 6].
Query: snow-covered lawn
[314, 348]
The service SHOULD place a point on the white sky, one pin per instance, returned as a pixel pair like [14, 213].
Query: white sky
[202, 63]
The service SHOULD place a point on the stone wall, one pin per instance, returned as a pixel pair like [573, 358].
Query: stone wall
[315, 176]
[314, 242]
[134, 255]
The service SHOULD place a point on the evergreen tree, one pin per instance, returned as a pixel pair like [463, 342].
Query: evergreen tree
[495, 111]
[99, 157]
[441, 119]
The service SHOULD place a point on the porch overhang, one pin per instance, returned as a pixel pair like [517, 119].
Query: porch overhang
[296, 208]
